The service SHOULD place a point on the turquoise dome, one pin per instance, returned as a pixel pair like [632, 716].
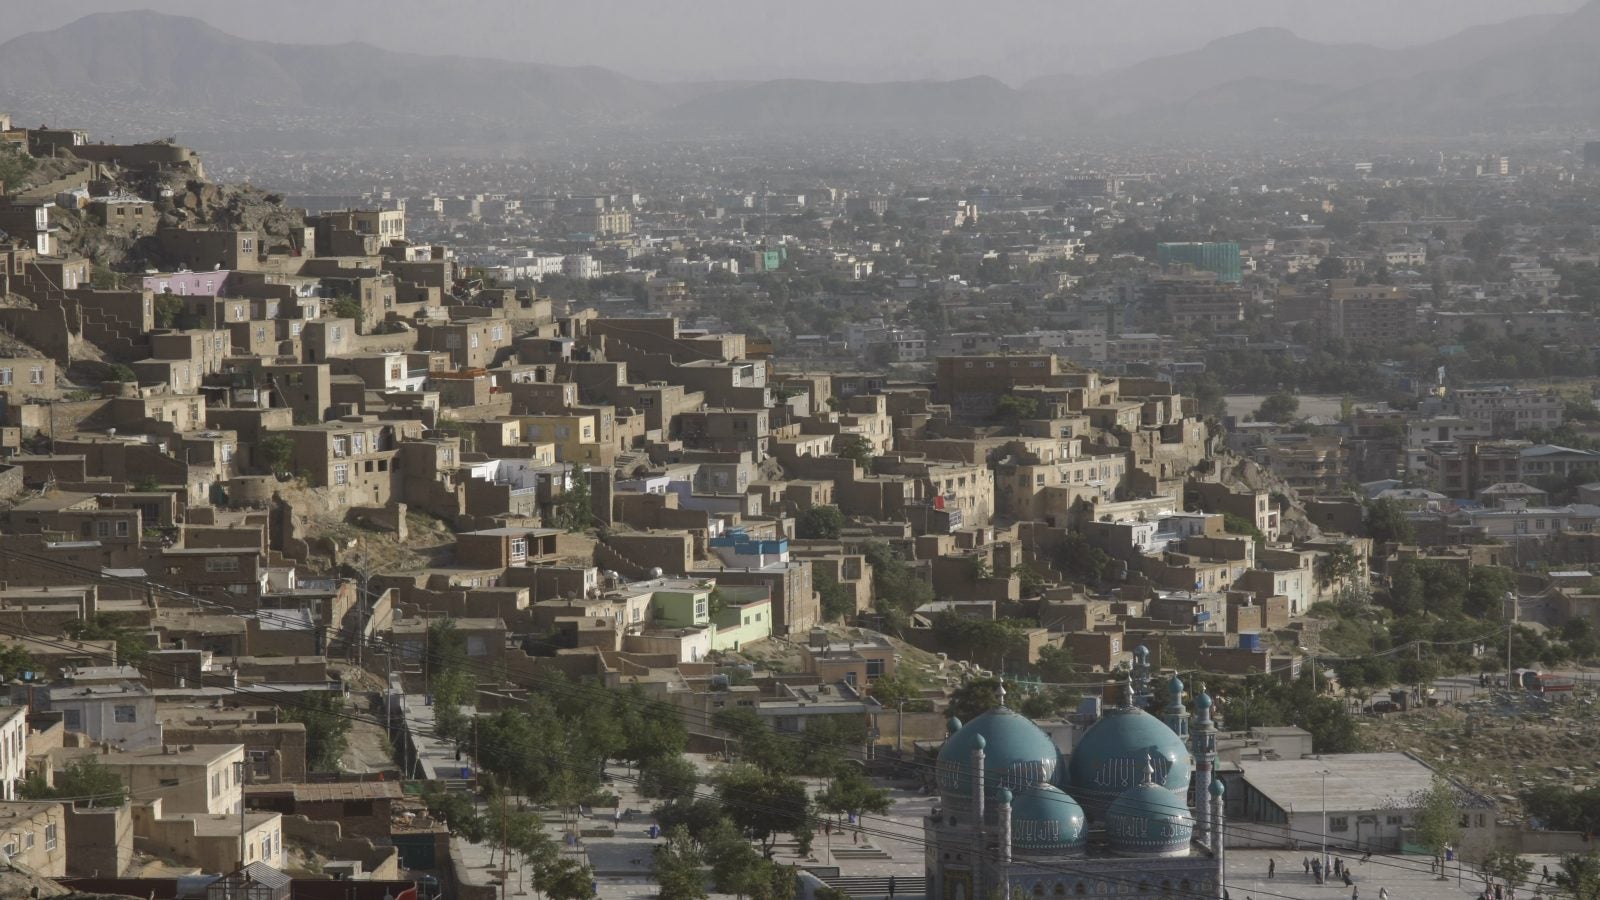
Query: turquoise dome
[1217, 789]
[1045, 821]
[1017, 754]
[1149, 820]
[1112, 756]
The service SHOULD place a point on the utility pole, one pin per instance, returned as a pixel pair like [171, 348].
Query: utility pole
[238, 772]
[505, 839]
[1511, 613]
[900, 726]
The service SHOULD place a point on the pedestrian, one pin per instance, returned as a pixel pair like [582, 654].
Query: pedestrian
[891, 887]
[1383, 893]
[1305, 863]
[1355, 893]
[1366, 856]
[1272, 867]
[1346, 874]
[1499, 892]
[1547, 874]
[855, 837]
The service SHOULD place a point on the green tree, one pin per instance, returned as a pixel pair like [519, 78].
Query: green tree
[1012, 409]
[837, 600]
[456, 810]
[855, 448]
[1438, 817]
[347, 308]
[1084, 562]
[679, 867]
[565, 879]
[763, 804]
[1338, 564]
[327, 729]
[277, 450]
[168, 307]
[1387, 523]
[575, 510]
[132, 646]
[851, 792]
[668, 777]
[893, 690]
[897, 588]
[1507, 866]
[819, 522]
[1056, 663]
[85, 782]
[973, 699]
[1278, 407]
[15, 165]
[1578, 876]
[121, 374]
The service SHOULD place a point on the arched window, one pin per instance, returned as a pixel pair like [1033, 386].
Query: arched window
[1038, 890]
[1061, 890]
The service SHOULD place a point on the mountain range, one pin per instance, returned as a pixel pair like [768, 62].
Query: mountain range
[162, 74]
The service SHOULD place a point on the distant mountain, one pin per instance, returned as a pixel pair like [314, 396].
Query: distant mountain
[147, 74]
[1272, 76]
[828, 104]
[182, 61]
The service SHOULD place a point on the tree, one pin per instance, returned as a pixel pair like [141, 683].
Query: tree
[1438, 817]
[1011, 409]
[1084, 562]
[1056, 663]
[893, 690]
[1278, 407]
[897, 587]
[668, 777]
[456, 810]
[763, 804]
[679, 867]
[574, 511]
[1387, 523]
[277, 450]
[1578, 875]
[347, 308]
[837, 600]
[819, 523]
[565, 879]
[855, 448]
[1506, 865]
[15, 165]
[327, 730]
[1340, 563]
[974, 698]
[168, 307]
[85, 782]
[131, 644]
[851, 793]
[121, 374]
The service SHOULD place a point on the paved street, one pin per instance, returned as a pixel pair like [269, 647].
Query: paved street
[1405, 877]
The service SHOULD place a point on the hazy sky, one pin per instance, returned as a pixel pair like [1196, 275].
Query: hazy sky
[854, 39]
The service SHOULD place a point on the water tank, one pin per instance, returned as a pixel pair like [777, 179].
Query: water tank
[1249, 640]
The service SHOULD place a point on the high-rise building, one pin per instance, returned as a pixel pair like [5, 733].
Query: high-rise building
[1591, 155]
[1221, 258]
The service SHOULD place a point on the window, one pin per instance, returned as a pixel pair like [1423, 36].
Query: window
[5, 376]
[341, 474]
[474, 339]
[227, 453]
[519, 548]
[216, 784]
[358, 443]
[50, 836]
[340, 447]
[247, 245]
[36, 375]
[103, 528]
[498, 333]
[125, 715]
[1338, 823]
[27, 841]
[477, 646]
[222, 564]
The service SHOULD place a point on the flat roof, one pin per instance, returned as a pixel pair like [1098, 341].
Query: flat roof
[1355, 781]
[313, 793]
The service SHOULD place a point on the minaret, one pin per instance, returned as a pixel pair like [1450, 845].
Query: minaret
[1176, 717]
[977, 780]
[1005, 834]
[1141, 677]
[1203, 746]
[1218, 848]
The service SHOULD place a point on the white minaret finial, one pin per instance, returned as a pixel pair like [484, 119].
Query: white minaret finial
[1002, 692]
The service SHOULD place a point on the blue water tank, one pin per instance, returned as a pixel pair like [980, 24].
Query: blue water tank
[1249, 640]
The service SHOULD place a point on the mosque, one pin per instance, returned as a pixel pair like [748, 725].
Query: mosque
[1134, 811]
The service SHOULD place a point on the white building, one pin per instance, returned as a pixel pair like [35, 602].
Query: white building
[13, 749]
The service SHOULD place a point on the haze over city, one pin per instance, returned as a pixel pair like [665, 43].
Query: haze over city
[885, 450]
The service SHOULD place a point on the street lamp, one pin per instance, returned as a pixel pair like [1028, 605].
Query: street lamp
[1324, 774]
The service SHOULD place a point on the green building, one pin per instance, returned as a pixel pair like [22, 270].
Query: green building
[1221, 258]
